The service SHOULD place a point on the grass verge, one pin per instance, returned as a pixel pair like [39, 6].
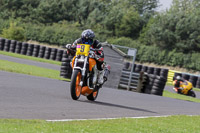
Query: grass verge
[30, 58]
[171, 124]
[30, 70]
[179, 96]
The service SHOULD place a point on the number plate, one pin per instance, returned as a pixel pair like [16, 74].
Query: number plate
[82, 49]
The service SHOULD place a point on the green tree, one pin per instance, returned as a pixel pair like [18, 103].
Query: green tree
[14, 32]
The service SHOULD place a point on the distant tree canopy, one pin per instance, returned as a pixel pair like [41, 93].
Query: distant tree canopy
[118, 17]
[177, 28]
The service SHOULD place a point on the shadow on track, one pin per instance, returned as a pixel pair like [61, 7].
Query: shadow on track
[117, 106]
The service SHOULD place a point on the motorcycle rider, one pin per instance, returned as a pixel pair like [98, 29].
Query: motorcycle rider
[177, 82]
[87, 37]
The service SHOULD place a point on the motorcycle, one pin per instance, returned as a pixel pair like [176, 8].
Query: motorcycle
[84, 76]
[184, 88]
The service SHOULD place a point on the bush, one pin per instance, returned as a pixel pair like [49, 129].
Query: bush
[14, 32]
[53, 34]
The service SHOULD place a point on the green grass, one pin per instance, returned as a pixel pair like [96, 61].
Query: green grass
[30, 58]
[179, 96]
[171, 124]
[30, 70]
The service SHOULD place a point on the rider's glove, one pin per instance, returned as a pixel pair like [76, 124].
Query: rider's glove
[68, 46]
[92, 54]
[97, 57]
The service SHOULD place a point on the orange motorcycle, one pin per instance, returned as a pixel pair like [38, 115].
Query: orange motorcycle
[84, 76]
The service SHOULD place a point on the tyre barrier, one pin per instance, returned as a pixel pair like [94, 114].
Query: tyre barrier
[193, 80]
[186, 76]
[198, 83]
[53, 54]
[144, 68]
[2, 43]
[47, 53]
[41, 51]
[24, 48]
[7, 45]
[30, 50]
[66, 70]
[145, 79]
[126, 65]
[59, 55]
[138, 68]
[12, 46]
[155, 85]
[18, 47]
[150, 70]
[36, 49]
[157, 71]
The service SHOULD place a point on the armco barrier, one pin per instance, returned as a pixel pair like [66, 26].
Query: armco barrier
[137, 81]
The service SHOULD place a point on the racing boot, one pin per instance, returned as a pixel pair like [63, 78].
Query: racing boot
[101, 77]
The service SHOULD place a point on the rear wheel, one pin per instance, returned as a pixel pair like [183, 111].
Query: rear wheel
[93, 95]
[75, 87]
[191, 93]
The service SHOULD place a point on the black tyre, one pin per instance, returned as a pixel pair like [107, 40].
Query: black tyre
[193, 80]
[191, 93]
[18, 47]
[30, 50]
[12, 46]
[75, 88]
[36, 50]
[164, 73]
[93, 95]
[150, 70]
[126, 65]
[157, 71]
[7, 45]
[138, 68]
[24, 48]
[156, 92]
[2, 41]
[144, 68]
[186, 76]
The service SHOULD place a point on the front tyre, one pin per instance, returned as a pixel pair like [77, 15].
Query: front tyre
[75, 88]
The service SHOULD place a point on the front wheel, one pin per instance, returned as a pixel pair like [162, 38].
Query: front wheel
[191, 93]
[75, 88]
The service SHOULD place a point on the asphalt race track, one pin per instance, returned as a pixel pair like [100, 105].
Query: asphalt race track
[30, 97]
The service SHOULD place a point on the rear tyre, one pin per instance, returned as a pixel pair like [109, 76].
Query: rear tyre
[191, 93]
[75, 88]
[93, 95]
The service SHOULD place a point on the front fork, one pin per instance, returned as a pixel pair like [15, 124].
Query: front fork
[83, 70]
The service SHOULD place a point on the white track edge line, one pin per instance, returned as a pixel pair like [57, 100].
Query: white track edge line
[142, 117]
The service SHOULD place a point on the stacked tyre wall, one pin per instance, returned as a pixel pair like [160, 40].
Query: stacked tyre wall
[156, 77]
[40, 52]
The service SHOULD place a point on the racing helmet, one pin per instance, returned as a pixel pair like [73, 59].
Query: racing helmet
[178, 78]
[87, 36]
